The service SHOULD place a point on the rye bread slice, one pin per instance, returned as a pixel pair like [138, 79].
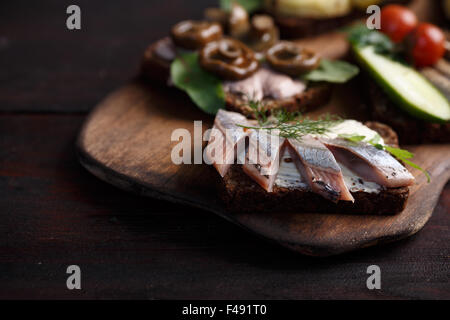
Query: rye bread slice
[314, 96]
[157, 70]
[241, 194]
[410, 130]
[154, 68]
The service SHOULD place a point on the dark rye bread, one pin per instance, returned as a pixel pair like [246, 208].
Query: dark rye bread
[314, 96]
[241, 194]
[154, 68]
[410, 130]
[157, 70]
[295, 27]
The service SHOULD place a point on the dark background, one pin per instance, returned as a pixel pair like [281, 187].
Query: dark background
[53, 213]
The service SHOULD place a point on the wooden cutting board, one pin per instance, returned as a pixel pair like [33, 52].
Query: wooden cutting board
[126, 141]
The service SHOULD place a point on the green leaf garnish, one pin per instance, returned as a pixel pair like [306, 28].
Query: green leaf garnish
[400, 154]
[203, 88]
[361, 36]
[249, 5]
[260, 112]
[375, 140]
[333, 71]
[289, 124]
[351, 137]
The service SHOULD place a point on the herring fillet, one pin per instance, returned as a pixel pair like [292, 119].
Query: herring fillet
[220, 145]
[370, 163]
[263, 158]
[229, 134]
[319, 167]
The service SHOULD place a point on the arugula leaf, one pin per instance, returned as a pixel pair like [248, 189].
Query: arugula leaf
[412, 164]
[203, 88]
[375, 140]
[361, 36]
[399, 153]
[332, 71]
[352, 137]
[249, 5]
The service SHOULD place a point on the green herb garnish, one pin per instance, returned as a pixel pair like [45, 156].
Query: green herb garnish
[333, 71]
[304, 126]
[203, 88]
[259, 109]
[352, 137]
[400, 154]
[359, 35]
[289, 124]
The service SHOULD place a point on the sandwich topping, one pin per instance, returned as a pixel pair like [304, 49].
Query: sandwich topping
[228, 58]
[317, 165]
[326, 158]
[193, 35]
[165, 50]
[292, 59]
[266, 83]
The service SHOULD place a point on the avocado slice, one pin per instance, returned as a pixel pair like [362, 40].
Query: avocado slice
[405, 86]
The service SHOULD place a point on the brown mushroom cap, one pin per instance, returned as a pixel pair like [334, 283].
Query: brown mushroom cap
[217, 15]
[230, 59]
[264, 33]
[238, 21]
[193, 35]
[290, 58]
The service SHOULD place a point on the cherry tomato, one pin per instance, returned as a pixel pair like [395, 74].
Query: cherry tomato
[428, 45]
[397, 22]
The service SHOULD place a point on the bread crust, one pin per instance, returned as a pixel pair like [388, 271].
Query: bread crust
[241, 194]
[313, 97]
[153, 68]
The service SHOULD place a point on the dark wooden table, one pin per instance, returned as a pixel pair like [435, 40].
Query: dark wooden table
[53, 213]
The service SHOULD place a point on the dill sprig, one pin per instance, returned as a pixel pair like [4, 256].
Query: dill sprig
[289, 124]
[303, 126]
[259, 109]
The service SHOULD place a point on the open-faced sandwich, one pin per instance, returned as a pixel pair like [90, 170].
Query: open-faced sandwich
[269, 156]
[407, 75]
[290, 163]
[228, 65]
[303, 18]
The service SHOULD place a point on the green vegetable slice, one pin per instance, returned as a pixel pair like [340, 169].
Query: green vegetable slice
[405, 86]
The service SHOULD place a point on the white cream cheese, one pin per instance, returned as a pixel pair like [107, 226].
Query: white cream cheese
[352, 127]
[288, 175]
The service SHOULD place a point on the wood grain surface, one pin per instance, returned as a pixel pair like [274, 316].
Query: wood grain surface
[53, 213]
[127, 141]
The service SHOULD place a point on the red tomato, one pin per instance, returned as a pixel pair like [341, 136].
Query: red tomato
[397, 21]
[428, 45]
